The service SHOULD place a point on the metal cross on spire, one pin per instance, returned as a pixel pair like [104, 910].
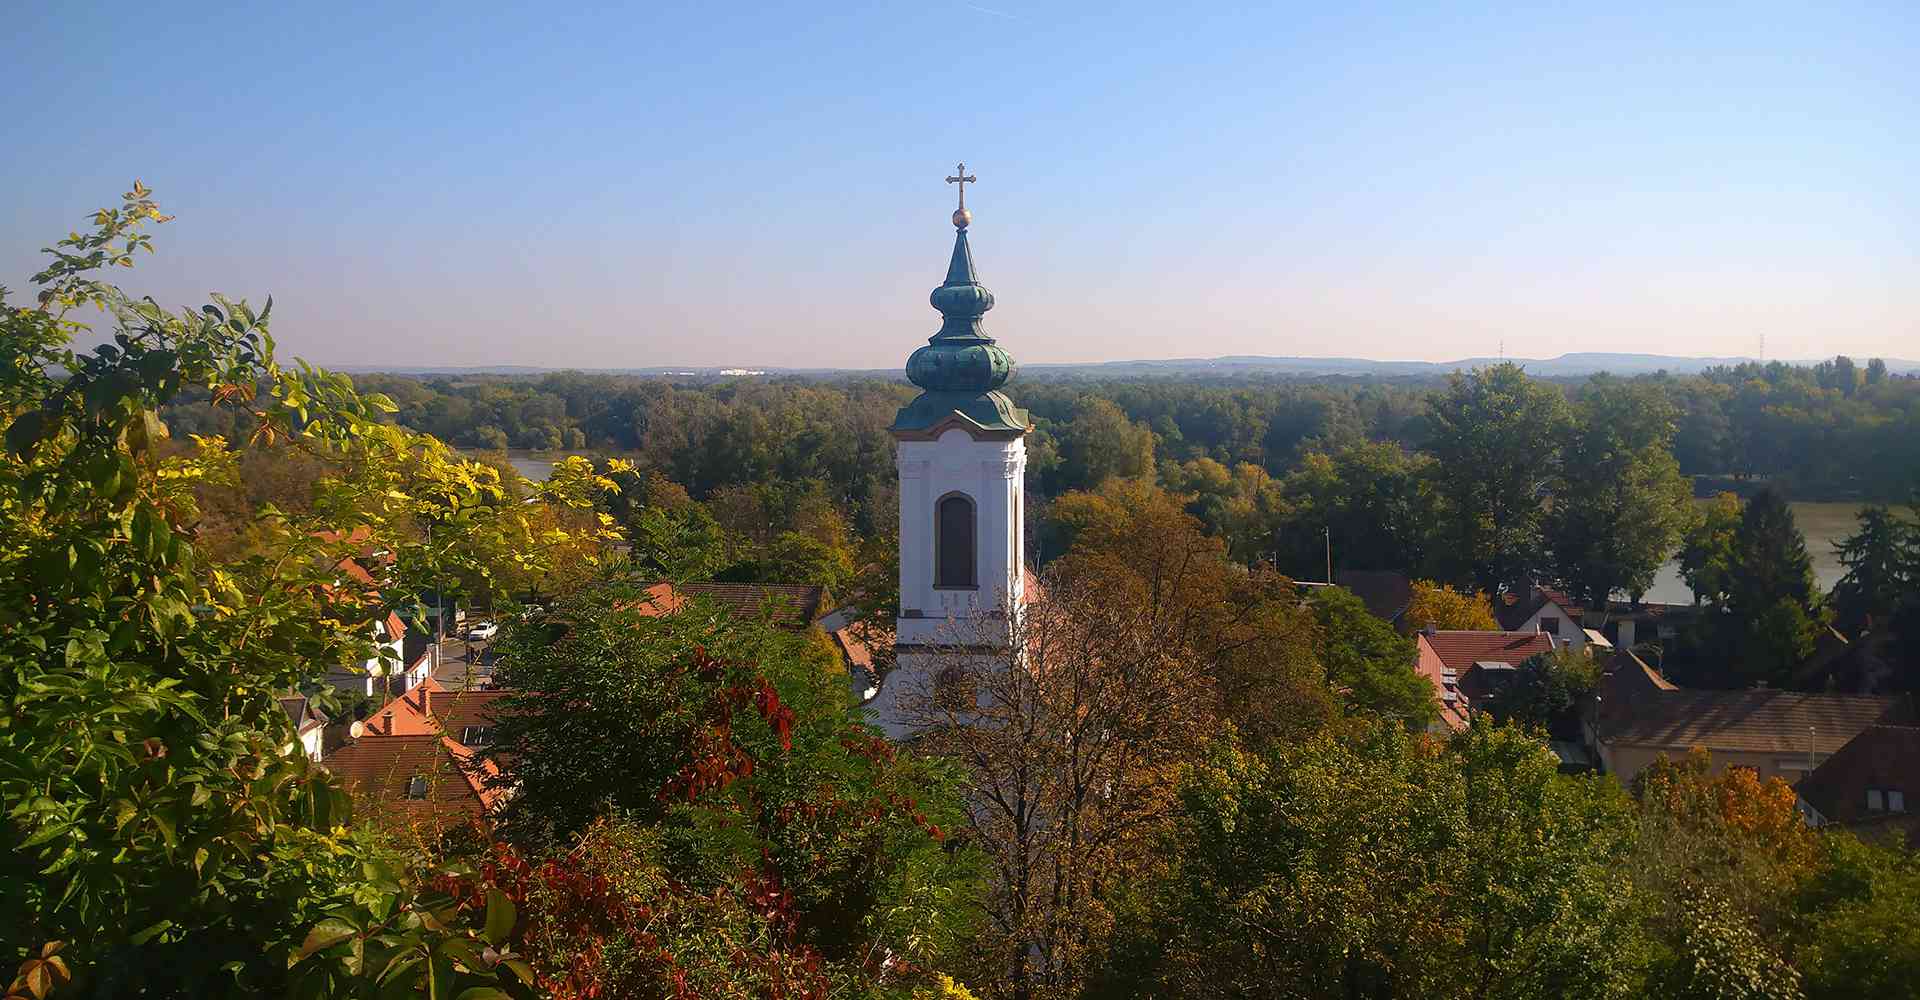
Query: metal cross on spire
[960, 215]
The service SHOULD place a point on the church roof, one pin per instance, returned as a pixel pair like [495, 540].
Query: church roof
[961, 369]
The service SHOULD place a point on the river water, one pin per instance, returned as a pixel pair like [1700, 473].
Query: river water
[534, 468]
[1822, 523]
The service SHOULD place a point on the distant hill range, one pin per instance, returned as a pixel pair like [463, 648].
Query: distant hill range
[1564, 366]
[1585, 363]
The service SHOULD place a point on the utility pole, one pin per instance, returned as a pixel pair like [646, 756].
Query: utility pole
[439, 612]
[1329, 531]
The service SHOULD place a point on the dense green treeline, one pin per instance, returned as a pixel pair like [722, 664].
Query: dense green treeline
[1834, 430]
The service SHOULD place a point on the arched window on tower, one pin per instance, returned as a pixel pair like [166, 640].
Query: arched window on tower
[953, 548]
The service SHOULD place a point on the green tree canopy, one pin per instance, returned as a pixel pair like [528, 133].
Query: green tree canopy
[1495, 442]
[1547, 692]
[1373, 498]
[1380, 863]
[162, 827]
[1622, 505]
[1368, 662]
[1878, 558]
[1101, 443]
[1706, 557]
[1773, 606]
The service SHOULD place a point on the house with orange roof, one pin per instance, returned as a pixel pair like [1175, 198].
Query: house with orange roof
[1463, 665]
[423, 782]
[430, 709]
[368, 677]
[420, 757]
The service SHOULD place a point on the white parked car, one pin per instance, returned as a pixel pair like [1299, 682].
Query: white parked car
[483, 631]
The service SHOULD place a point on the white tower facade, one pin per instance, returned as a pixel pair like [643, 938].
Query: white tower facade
[962, 457]
[962, 521]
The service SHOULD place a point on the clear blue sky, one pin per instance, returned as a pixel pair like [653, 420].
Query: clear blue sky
[732, 184]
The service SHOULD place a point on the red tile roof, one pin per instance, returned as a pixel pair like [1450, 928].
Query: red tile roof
[1459, 650]
[1446, 657]
[380, 771]
[1629, 678]
[362, 535]
[430, 709]
[793, 606]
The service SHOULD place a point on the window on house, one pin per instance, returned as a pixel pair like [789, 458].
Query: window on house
[476, 736]
[1876, 800]
[953, 553]
[1550, 625]
[1896, 800]
[417, 787]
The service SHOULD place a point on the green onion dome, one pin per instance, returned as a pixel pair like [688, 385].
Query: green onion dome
[961, 357]
[961, 369]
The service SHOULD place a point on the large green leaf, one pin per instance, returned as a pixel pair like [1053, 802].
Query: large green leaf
[500, 917]
[325, 934]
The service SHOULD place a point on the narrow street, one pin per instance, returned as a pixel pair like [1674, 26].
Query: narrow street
[464, 665]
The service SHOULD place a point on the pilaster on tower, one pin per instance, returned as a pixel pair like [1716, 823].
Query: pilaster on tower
[962, 454]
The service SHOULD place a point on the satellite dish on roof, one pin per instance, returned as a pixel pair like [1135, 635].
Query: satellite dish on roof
[357, 730]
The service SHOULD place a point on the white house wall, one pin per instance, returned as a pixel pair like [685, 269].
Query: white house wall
[1569, 632]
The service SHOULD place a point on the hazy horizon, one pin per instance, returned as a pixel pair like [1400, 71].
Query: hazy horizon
[459, 186]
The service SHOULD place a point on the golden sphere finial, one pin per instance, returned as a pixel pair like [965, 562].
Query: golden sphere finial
[960, 215]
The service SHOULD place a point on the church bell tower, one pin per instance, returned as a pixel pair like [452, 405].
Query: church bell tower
[962, 456]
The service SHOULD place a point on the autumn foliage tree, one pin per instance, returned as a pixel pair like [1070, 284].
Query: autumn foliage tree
[1718, 856]
[158, 831]
[1072, 750]
[728, 752]
[1245, 633]
[1436, 605]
